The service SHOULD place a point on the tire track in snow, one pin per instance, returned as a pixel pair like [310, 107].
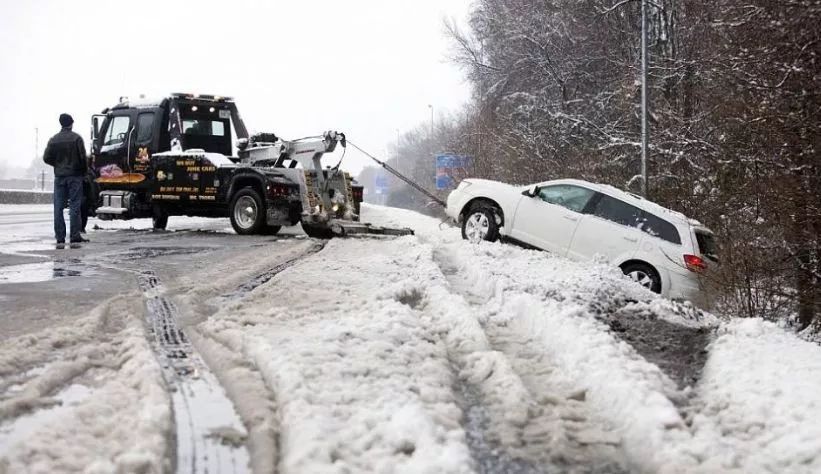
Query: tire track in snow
[267, 275]
[253, 399]
[209, 435]
[494, 404]
[562, 423]
[486, 449]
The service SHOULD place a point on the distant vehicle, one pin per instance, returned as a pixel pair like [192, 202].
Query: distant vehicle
[660, 249]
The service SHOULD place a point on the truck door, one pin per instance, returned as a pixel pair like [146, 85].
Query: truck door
[110, 161]
[143, 140]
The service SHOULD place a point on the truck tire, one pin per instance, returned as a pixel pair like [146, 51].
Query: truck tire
[247, 212]
[159, 218]
[317, 231]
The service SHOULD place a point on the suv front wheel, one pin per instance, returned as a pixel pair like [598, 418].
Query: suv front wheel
[480, 224]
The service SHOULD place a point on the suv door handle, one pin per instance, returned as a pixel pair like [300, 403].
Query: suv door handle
[631, 239]
[571, 218]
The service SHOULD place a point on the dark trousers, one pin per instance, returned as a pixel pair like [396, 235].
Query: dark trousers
[67, 189]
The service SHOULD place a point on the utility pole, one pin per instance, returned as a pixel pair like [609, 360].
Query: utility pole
[644, 98]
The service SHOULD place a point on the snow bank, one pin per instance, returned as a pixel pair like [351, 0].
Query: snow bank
[759, 401]
[756, 408]
[556, 301]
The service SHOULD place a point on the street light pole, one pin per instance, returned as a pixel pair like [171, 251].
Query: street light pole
[431, 120]
[644, 98]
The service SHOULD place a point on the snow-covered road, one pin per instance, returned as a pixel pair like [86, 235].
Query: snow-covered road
[414, 354]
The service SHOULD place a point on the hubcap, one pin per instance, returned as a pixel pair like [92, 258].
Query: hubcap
[476, 227]
[245, 212]
[641, 278]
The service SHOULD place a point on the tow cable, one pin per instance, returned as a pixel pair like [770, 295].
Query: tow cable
[399, 175]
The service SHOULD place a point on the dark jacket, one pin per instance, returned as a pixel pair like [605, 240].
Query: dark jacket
[67, 154]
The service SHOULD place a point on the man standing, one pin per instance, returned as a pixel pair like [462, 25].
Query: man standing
[66, 152]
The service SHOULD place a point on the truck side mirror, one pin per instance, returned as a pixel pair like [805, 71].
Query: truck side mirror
[96, 125]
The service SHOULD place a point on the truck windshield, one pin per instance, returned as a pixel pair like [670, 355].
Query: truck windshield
[206, 131]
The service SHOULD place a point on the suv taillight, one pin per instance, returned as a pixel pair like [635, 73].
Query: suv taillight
[695, 263]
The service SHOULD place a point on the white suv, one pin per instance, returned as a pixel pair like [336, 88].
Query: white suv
[661, 249]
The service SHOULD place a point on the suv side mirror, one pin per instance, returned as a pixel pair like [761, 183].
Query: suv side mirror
[532, 191]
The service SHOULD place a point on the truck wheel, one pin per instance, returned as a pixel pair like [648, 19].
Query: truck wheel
[317, 231]
[247, 212]
[159, 219]
[271, 229]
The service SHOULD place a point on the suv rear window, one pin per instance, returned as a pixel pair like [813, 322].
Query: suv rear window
[660, 228]
[707, 245]
[617, 211]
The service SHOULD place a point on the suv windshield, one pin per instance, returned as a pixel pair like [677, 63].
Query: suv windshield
[572, 197]
[707, 245]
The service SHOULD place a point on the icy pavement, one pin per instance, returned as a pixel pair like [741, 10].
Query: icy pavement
[414, 354]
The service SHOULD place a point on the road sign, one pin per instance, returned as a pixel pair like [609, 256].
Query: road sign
[450, 169]
[380, 184]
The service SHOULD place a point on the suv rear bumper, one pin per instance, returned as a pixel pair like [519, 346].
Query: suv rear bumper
[688, 288]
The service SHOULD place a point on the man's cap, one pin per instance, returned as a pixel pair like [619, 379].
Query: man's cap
[66, 120]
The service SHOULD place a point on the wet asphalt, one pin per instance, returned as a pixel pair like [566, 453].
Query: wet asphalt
[42, 286]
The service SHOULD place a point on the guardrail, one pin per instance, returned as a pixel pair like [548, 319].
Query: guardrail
[19, 196]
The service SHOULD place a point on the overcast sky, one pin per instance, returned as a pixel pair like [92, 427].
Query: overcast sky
[296, 68]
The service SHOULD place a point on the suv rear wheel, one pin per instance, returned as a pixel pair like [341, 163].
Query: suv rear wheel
[644, 275]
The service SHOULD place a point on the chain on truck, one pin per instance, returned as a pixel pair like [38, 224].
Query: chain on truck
[174, 156]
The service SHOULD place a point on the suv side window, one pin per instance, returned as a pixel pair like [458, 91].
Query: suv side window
[145, 127]
[117, 130]
[660, 228]
[572, 197]
[617, 211]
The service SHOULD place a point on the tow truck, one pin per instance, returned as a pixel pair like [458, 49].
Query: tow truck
[174, 156]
